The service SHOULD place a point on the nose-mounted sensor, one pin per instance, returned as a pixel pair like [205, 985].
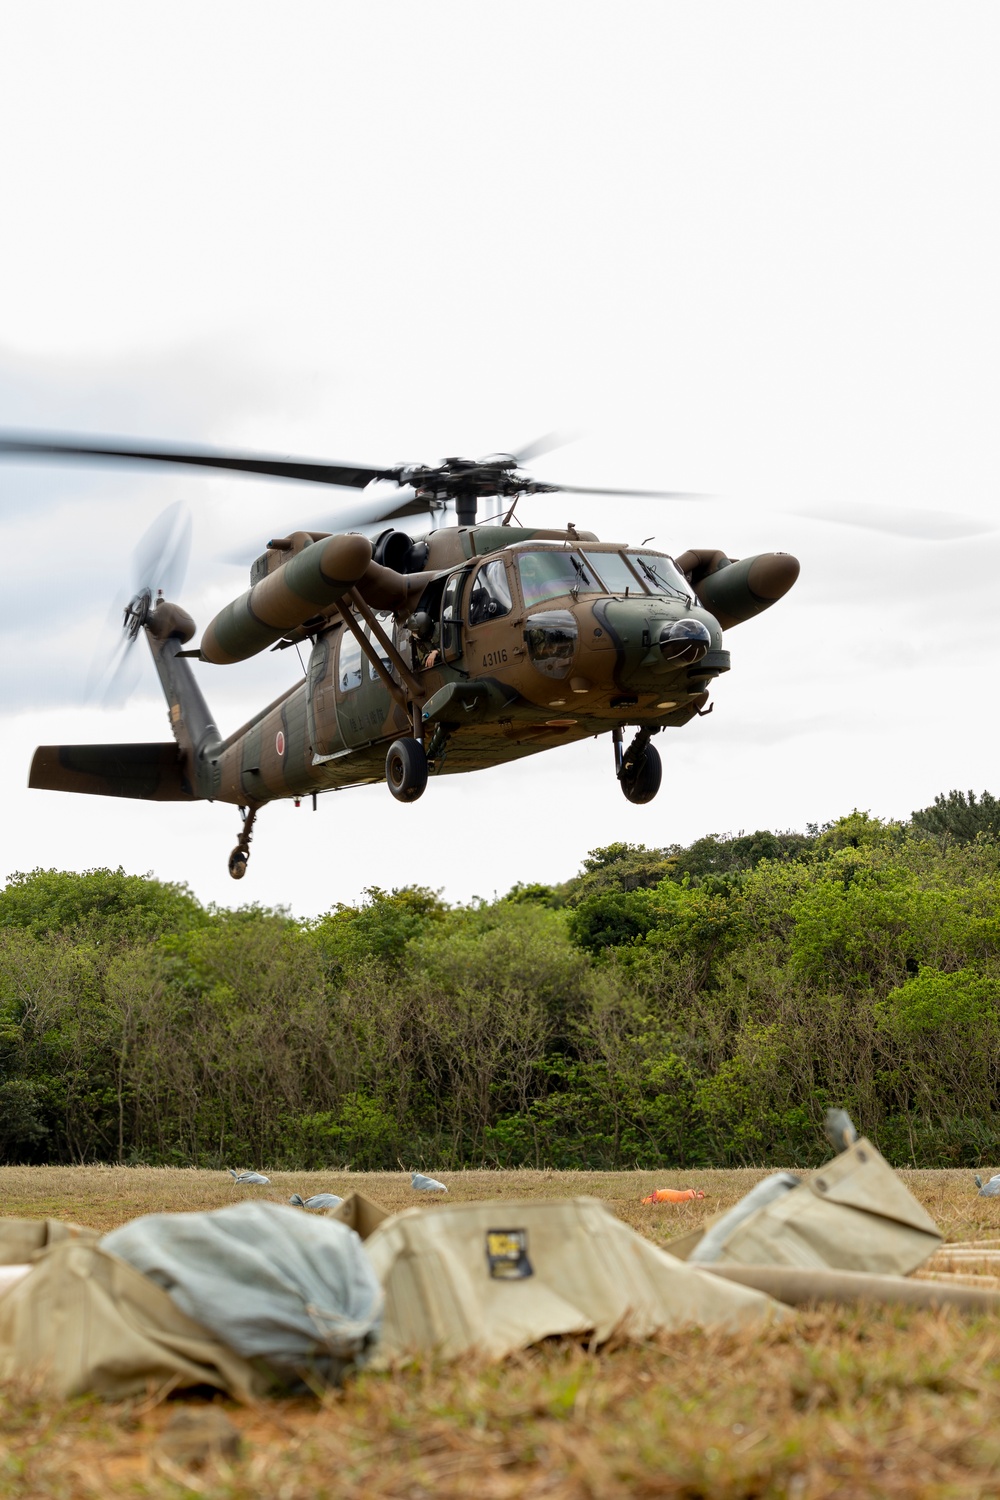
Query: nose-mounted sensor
[684, 642]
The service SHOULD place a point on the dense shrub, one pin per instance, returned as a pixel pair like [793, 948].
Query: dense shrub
[685, 1007]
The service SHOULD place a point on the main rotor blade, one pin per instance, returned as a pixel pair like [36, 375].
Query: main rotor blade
[583, 489]
[547, 443]
[50, 445]
[922, 525]
[368, 518]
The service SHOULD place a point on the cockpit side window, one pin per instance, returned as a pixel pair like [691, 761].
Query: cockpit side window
[450, 598]
[490, 595]
[549, 573]
[451, 615]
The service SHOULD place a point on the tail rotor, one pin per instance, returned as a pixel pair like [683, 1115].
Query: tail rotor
[158, 566]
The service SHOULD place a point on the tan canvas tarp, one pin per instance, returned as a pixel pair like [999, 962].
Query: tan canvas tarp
[490, 1278]
[358, 1213]
[853, 1215]
[85, 1321]
[484, 1278]
[23, 1239]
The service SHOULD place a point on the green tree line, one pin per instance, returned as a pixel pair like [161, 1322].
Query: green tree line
[679, 1007]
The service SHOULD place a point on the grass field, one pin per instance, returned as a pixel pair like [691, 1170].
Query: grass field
[836, 1403]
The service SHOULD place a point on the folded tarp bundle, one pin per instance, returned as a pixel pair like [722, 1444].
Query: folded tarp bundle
[113, 1318]
[84, 1322]
[244, 1299]
[853, 1215]
[491, 1278]
[294, 1291]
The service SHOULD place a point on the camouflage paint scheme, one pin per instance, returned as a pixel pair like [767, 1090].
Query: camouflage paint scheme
[471, 685]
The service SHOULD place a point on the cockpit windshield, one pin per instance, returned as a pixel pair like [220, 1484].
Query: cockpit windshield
[615, 572]
[660, 574]
[550, 572]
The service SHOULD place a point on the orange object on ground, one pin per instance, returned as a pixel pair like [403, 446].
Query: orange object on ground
[673, 1195]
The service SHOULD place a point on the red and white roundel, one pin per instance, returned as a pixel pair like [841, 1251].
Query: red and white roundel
[279, 742]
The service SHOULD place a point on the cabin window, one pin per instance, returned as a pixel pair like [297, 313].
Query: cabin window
[661, 574]
[490, 596]
[548, 574]
[349, 662]
[614, 572]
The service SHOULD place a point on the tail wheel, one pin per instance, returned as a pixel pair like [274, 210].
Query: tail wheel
[640, 778]
[406, 770]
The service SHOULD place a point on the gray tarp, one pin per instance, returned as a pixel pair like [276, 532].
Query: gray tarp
[293, 1290]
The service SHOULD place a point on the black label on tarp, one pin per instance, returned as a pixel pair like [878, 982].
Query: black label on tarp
[507, 1254]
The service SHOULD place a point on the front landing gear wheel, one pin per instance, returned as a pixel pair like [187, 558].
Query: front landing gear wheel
[238, 864]
[406, 770]
[641, 774]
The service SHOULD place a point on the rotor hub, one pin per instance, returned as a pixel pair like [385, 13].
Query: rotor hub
[136, 612]
[464, 482]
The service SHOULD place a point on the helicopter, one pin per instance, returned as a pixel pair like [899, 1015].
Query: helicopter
[461, 648]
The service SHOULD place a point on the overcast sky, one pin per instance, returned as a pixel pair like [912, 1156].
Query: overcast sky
[745, 249]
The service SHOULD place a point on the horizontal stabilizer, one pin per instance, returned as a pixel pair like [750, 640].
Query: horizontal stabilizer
[153, 772]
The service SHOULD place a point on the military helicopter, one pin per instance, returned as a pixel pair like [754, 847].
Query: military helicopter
[466, 647]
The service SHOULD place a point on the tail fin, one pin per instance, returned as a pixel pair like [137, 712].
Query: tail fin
[181, 770]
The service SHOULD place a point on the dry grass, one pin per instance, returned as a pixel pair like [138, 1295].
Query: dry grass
[838, 1404]
[106, 1196]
